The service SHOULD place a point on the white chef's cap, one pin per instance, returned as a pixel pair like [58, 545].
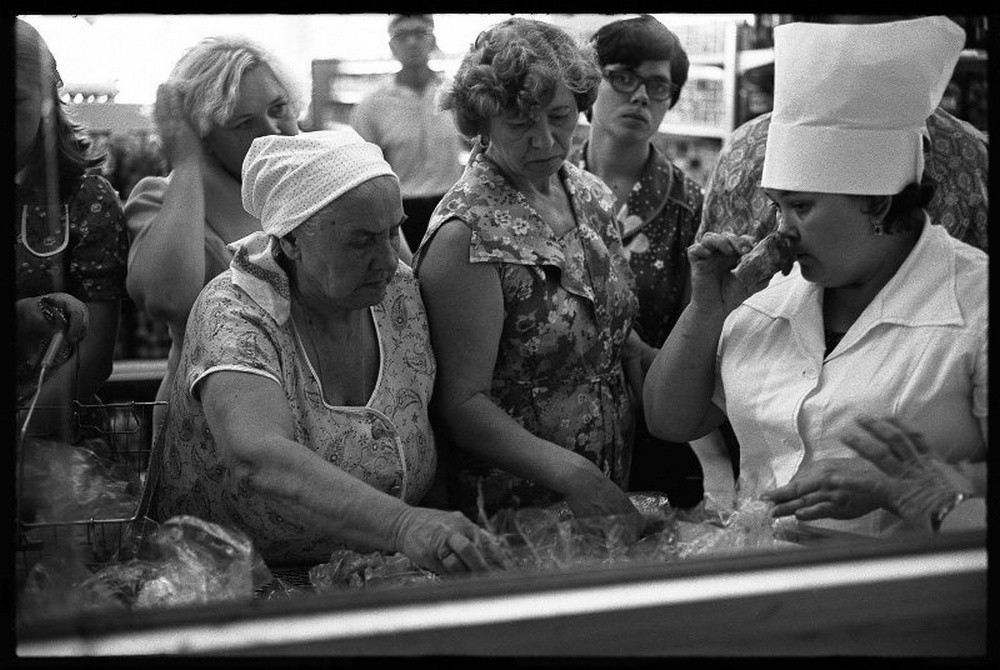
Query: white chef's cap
[288, 178]
[851, 103]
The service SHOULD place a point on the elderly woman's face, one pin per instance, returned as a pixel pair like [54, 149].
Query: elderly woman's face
[634, 115]
[262, 109]
[533, 147]
[831, 235]
[350, 249]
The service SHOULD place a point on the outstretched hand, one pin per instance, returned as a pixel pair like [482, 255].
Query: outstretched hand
[919, 481]
[832, 488]
[446, 542]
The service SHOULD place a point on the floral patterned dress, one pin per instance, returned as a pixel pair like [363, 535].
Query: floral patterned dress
[568, 310]
[83, 254]
[658, 223]
[387, 443]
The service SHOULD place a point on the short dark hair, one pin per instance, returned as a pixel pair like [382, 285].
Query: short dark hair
[629, 42]
[518, 63]
[906, 208]
[396, 18]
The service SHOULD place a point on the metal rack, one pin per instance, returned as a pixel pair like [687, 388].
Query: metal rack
[129, 446]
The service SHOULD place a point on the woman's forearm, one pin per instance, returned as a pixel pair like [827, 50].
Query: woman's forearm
[480, 427]
[677, 393]
[302, 486]
[166, 269]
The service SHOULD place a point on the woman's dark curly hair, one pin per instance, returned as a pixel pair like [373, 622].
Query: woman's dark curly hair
[906, 208]
[518, 64]
[71, 147]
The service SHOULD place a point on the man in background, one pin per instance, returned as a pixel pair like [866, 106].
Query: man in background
[420, 142]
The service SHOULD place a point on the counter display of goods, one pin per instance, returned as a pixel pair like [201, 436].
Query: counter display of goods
[99, 577]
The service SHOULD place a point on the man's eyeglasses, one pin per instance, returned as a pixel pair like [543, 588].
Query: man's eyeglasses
[627, 81]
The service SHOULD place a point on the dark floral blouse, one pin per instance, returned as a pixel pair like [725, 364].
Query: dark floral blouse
[568, 310]
[83, 253]
[658, 223]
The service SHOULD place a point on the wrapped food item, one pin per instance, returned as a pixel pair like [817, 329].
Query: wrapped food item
[64, 482]
[349, 569]
[771, 254]
[199, 561]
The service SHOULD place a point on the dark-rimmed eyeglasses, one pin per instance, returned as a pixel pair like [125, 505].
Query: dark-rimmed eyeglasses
[627, 81]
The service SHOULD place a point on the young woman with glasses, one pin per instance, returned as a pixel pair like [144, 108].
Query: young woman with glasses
[644, 68]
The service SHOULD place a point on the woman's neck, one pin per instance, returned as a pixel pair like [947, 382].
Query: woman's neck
[321, 315]
[615, 159]
[842, 305]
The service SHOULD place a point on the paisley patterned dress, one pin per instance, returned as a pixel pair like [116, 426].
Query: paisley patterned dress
[568, 310]
[387, 443]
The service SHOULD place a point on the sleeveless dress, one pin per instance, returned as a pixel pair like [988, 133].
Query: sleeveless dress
[568, 310]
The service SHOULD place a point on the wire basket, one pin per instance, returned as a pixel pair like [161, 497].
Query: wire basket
[117, 437]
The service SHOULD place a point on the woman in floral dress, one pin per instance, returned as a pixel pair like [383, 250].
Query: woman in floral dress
[528, 292]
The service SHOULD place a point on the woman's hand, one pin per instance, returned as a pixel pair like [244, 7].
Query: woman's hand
[833, 488]
[712, 285]
[591, 494]
[38, 318]
[445, 542]
[919, 483]
[180, 140]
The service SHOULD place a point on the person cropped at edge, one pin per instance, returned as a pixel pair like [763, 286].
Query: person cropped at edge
[299, 409]
[420, 141]
[883, 314]
[224, 92]
[644, 69]
[70, 244]
[527, 289]
[958, 163]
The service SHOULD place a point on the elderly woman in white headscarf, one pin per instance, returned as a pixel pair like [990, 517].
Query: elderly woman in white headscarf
[876, 341]
[299, 409]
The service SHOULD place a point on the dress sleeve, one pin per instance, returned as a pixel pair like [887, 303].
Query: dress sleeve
[228, 331]
[144, 203]
[98, 261]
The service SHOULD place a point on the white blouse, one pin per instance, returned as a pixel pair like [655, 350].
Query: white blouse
[918, 353]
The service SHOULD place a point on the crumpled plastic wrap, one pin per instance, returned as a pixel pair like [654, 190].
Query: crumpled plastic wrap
[349, 569]
[533, 538]
[65, 482]
[183, 561]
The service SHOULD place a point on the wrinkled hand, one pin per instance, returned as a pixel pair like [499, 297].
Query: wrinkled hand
[38, 318]
[597, 496]
[711, 259]
[919, 482]
[833, 488]
[180, 140]
[445, 542]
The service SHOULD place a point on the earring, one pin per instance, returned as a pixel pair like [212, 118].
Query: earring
[877, 226]
[484, 141]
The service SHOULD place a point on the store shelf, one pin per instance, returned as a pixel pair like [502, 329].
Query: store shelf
[138, 370]
[694, 130]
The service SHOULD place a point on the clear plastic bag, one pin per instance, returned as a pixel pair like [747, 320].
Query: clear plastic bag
[185, 560]
[349, 569]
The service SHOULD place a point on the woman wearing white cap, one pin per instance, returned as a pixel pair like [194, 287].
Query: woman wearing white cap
[299, 409]
[879, 334]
